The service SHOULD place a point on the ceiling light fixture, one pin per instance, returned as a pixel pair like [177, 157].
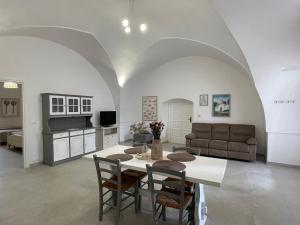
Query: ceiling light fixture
[127, 30]
[143, 27]
[125, 22]
[10, 85]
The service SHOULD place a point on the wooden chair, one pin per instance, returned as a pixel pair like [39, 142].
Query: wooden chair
[118, 184]
[171, 193]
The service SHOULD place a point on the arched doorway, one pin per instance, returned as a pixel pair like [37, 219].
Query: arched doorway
[180, 114]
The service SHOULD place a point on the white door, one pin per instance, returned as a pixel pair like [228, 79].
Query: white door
[61, 148]
[89, 142]
[76, 145]
[180, 121]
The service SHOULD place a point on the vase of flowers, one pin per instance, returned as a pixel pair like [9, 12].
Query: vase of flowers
[156, 148]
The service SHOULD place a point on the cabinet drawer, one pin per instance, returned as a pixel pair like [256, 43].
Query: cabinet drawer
[89, 131]
[77, 132]
[60, 149]
[60, 135]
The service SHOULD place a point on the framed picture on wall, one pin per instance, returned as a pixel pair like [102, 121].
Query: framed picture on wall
[149, 104]
[221, 105]
[203, 100]
[10, 107]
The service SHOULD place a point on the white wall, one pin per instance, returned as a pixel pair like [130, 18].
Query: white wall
[269, 36]
[45, 66]
[187, 78]
[16, 121]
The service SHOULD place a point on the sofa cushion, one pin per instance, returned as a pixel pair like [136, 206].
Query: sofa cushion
[241, 133]
[218, 144]
[200, 143]
[202, 130]
[217, 153]
[238, 147]
[220, 132]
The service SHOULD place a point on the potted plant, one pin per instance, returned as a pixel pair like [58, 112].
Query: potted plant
[156, 148]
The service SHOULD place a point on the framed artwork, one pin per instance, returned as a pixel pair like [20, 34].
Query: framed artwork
[221, 105]
[10, 107]
[149, 108]
[203, 100]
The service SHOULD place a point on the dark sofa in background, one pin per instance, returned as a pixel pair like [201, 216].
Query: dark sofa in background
[233, 141]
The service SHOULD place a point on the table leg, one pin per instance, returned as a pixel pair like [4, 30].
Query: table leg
[200, 210]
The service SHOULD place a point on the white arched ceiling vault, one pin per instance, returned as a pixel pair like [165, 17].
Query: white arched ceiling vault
[83, 43]
[168, 49]
[192, 20]
[268, 33]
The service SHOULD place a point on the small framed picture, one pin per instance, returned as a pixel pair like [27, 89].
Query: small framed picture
[203, 100]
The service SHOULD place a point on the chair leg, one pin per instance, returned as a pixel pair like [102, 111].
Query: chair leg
[101, 206]
[164, 214]
[118, 209]
[137, 197]
[180, 217]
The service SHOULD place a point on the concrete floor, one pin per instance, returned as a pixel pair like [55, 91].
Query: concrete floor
[252, 194]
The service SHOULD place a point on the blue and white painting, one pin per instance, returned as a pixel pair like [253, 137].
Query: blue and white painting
[221, 105]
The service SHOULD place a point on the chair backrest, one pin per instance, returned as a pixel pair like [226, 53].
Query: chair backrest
[178, 185]
[113, 168]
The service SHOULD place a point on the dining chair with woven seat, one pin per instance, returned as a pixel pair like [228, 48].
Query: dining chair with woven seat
[117, 184]
[169, 193]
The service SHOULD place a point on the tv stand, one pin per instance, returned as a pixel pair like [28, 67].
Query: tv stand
[106, 137]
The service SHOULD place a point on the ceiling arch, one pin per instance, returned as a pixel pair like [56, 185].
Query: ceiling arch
[168, 49]
[83, 43]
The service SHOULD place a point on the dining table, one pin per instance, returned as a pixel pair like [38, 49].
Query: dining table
[201, 171]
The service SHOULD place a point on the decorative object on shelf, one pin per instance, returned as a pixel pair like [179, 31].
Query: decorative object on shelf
[221, 105]
[149, 108]
[203, 100]
[10, 107]
[156, 148]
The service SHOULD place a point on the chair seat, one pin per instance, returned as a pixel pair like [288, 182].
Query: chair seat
[133, 174]
[189, 186]
[125, 183]
[173, 203]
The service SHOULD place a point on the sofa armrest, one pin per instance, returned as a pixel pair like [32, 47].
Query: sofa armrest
[251, 141]
[190, 136]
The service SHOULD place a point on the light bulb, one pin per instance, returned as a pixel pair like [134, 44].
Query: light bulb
[127, 30]
[125, 23]
[143, 27]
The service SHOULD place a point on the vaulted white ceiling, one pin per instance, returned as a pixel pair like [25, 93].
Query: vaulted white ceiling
[194, 20]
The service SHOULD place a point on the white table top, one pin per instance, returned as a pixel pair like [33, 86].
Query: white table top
[204, 170]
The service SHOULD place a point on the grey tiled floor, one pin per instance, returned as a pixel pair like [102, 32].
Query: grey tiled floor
[252, 194]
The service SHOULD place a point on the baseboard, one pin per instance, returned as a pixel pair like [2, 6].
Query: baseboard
[35, 164]
[283, 164]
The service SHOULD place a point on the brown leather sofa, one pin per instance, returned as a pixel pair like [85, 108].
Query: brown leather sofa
[233, 141]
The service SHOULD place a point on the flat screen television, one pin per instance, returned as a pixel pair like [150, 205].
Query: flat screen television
[107, 118]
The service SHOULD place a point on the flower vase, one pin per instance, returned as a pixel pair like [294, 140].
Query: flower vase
[156, 150]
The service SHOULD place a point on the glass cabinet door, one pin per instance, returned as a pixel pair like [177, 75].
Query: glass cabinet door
[86, 105]
[57, 105]
[73, 106]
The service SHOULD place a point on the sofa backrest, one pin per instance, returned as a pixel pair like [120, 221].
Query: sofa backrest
[220, 131]
[241, 133]
[202, 130]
